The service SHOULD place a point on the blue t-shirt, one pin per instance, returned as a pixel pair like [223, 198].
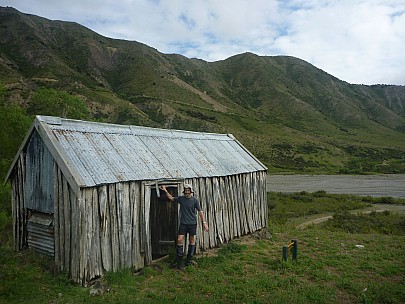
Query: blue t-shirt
[188, 207]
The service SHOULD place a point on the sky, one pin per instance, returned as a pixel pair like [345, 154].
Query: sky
[358, 41]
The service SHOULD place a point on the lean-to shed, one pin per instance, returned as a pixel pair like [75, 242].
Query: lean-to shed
[87, 193]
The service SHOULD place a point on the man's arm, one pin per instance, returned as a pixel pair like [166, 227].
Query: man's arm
[205, 225]
[169, 196]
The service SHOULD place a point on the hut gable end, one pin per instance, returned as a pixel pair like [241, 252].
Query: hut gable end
[39, 179]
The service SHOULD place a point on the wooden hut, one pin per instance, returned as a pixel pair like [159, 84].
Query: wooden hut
[87, 193]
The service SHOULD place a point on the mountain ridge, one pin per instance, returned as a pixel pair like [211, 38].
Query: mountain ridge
[280, 107]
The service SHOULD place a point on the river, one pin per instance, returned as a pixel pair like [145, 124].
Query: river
[368, 185]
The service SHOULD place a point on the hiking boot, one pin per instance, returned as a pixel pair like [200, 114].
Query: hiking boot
[176, 261]
[190, 254]
[179, 257]
[180, 265]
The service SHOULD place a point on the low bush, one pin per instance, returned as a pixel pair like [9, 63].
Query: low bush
[374, 222]
[283, 207]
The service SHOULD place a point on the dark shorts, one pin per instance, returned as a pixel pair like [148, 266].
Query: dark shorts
[187, 228]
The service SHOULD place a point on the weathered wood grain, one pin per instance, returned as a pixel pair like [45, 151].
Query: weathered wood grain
[56, 217]
[148, 244]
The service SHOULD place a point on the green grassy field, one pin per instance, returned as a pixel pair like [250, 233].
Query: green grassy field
[330, 267]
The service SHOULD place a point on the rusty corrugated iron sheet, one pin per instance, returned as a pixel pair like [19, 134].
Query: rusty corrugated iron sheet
[106, 153]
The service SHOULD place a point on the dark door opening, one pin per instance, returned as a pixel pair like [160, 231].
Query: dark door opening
[163, 222]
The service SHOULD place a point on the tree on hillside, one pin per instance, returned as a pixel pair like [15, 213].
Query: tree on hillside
[57, 103]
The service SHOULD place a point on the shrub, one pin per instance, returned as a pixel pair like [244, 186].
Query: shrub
[57, 103]
[374, 222]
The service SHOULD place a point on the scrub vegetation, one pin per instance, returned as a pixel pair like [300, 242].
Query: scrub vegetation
[353, 258]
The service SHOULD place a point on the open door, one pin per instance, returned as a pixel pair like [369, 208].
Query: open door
[163, 221]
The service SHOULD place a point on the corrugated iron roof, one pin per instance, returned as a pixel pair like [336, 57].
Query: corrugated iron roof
[100, 153]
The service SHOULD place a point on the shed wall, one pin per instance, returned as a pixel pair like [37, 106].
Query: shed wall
[20, 213]
[105, 228]
[98, 230]
[233, 206]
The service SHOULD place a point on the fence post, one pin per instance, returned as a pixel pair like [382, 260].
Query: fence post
[295, 249]
[285, 253]
[291, 249]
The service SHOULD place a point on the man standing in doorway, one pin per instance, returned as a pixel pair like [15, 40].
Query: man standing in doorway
[189, 206]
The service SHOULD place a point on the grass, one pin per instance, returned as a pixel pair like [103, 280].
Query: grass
[373, 222]
[330, 268]
[287, 207]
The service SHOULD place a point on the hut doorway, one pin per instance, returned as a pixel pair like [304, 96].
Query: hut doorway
[163, 221]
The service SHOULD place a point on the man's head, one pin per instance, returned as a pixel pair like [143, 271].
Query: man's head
[188, 190]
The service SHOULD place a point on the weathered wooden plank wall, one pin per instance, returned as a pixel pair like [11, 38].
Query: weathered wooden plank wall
[233, 206]
[148, 242]
[97, 231]
[19, 211]
[106, 228]
[39, 178]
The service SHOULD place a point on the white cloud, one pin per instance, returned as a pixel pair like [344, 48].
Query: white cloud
[355, 41]
[359, 41]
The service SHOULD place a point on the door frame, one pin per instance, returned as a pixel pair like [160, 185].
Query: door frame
[146, 233]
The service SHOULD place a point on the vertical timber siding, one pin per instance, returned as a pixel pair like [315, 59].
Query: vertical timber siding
[233, 206]
[39, 179]
[20, 213]
[106, 228]
[97, 231]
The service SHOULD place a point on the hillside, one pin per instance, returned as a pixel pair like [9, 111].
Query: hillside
[293, 116]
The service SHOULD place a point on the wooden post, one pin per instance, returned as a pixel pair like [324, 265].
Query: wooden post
[295, 250]
[291, 249]
[285, 253]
